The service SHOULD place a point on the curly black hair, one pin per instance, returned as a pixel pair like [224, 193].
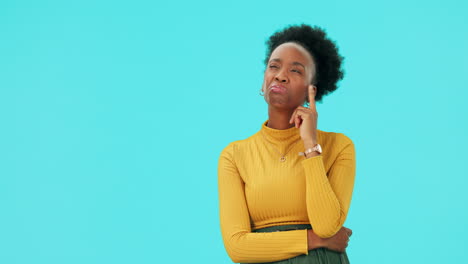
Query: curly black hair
[323, 50]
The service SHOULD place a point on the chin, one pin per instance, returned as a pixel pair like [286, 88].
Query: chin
[279, 104]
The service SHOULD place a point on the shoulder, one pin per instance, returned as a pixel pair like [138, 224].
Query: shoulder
[335, 139]
[343, 138]
[237, 146]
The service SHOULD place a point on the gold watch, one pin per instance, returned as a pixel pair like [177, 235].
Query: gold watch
[317, 148]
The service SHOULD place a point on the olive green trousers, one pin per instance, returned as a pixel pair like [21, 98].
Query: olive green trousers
[315, 256]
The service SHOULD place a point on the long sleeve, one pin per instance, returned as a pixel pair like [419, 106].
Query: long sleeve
[328, 198]
[241, 244]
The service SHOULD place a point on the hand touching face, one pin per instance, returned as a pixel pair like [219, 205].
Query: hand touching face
[305, 118]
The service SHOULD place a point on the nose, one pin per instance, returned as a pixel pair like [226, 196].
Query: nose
[281, 77]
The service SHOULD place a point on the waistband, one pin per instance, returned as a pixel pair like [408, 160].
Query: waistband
[283, 228]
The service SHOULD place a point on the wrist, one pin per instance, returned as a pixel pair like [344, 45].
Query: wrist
[312, 154]
[314, 241]
[309, 143]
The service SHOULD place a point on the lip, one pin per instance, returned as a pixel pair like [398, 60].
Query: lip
[276, 88]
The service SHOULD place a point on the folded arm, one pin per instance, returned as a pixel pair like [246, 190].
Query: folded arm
[242, 245]
[328, 197]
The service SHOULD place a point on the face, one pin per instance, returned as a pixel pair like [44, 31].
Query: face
[288, 74]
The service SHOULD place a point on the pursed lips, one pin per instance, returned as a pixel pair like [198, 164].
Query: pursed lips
[278, 88]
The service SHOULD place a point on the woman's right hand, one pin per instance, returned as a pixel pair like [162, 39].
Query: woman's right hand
[339, 241]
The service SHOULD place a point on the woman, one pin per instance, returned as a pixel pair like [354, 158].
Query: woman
[275, 205]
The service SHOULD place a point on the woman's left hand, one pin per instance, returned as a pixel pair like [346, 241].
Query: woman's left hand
[306, 119]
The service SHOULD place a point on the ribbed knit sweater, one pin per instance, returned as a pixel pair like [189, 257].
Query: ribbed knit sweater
[257, 190]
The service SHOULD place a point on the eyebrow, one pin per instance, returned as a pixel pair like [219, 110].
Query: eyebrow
[293, 63]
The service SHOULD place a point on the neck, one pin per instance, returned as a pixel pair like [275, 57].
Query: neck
[279, 119]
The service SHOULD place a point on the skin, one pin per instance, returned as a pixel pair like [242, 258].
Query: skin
[293, 67]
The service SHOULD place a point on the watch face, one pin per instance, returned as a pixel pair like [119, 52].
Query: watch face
[319, 148]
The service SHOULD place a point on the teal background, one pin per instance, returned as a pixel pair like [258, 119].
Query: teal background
[113, 115]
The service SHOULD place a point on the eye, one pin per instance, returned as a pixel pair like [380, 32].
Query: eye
[273, 66]
[298, 71]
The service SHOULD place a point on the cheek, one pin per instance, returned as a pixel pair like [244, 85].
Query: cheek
[267, 75]
[305, 83]
[299, 81]
[302, 85]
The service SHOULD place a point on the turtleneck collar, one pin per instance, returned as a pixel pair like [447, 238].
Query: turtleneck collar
[280, 136]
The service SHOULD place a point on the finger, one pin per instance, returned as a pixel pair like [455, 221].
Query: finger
[311, 97]
[298, 117]
[291, 120]
[292, 116]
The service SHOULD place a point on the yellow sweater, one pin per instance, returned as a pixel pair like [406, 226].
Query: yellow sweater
[257, 190]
